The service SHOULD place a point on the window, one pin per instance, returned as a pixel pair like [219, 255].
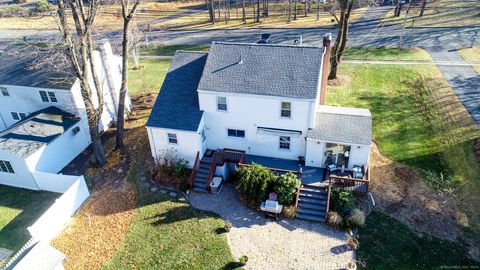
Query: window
[221, 103]
[52, 96]
[44, 96]
[172, 138]
[48, 96]
[285, 142]
[286, 110]
[75, 130]
[15, 116]
[336, 154]
[236, 133]
[22, 116]
[4, 91]
[6, 167]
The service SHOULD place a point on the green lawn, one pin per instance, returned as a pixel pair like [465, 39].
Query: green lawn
[19, 209]
[149, 77]
[386, 243]
[386, 53]
[168, 233]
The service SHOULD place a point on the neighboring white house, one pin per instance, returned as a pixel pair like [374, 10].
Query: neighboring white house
[265, 99]
[43, 122]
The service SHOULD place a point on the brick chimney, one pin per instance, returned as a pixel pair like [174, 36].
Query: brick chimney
[327, 40]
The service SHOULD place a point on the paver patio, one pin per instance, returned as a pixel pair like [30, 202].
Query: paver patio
[282, 244]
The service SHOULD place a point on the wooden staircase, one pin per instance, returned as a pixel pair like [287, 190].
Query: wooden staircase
[312, 202]
[203, 172]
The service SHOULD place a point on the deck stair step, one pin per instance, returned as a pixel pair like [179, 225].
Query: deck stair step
[312, 203]
[200, 182]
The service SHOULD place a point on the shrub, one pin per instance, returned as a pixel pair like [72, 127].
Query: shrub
[355, 218]
[441, 182]
[255, 182]
[41, 6]
[13, 11]
[286, 188]
[341, 200]
[181, 168]
[334, 219]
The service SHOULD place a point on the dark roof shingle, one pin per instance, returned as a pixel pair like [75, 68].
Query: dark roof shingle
[342, 125]
[177, 106]
[263, 69]
[38, 129]
[18, 69]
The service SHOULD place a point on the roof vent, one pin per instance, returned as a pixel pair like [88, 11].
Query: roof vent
[240, 61]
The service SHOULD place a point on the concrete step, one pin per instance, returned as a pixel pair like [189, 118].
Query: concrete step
[310, 217]
[314, 206]
[313, 212]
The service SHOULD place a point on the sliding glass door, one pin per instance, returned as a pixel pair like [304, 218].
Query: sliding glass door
[337, 154]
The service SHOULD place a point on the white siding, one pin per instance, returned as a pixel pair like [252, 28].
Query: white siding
[247, 112]
[314, 156]
[186, 148]
[57, 154]
[22, 177]
[359, 154]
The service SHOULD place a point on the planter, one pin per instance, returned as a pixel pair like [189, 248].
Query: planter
[351, 265]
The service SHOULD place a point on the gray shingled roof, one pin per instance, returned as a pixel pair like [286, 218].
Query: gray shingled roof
[38, 129]
[263, 69]
[17, 69]
[177, 106]
[342, 125]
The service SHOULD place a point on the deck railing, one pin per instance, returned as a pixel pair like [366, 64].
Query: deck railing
[276, 171]
[213, 167]
[230, 155]
[357, 186]
[196, 165]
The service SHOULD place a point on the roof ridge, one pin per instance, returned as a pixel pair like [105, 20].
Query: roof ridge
[359, 115]
[187, 51]
[266, 45]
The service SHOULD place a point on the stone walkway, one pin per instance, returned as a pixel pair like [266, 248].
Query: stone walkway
[282, 244]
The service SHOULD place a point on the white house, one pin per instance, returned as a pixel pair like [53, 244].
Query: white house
[267, 100]
[43, 123]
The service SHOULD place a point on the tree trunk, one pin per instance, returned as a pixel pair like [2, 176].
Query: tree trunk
[305, 9]
[424, 4]
[244, 14]
[289, 11]
[219, 9]
[318, 11]
[123, 86]
[211, 12]
[341, 40]
[257, 19]
[295, 9]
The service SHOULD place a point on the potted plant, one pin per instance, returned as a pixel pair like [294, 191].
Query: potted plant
[353, 242]
[351, 265]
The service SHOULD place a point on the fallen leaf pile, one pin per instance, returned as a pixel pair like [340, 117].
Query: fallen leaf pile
[95, 234]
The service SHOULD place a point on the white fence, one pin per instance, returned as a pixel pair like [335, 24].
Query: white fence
[54, 182]
[57, 216]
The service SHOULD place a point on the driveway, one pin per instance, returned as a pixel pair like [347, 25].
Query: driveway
[282, 244]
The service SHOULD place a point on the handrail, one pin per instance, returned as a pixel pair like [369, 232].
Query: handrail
[328, 195]
[298, 196]
[297, 173]
[211, 172]
[194, 169]
[348, 178]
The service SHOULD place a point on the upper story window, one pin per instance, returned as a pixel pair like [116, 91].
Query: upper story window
[6, 167]
[4, 91]
[221, 103]
[285, 142]
[75, 130]
[286, 110]
[18, 116]
[48, 96]
[172, 138]
[236, 133]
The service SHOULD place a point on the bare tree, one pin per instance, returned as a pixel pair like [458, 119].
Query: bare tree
[244, 14]
[344, 7]
[211, 12]
[424, 4]
[81, 57]
[127, 15]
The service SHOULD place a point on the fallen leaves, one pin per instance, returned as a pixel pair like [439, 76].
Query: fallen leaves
[95, 234]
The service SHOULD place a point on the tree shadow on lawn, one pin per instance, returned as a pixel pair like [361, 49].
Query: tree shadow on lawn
[181, 213]
[32, 205]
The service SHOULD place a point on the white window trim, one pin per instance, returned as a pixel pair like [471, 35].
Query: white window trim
[281, 109]
[216, 103]
[234, 137]
[168, 138]
[289, 144]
